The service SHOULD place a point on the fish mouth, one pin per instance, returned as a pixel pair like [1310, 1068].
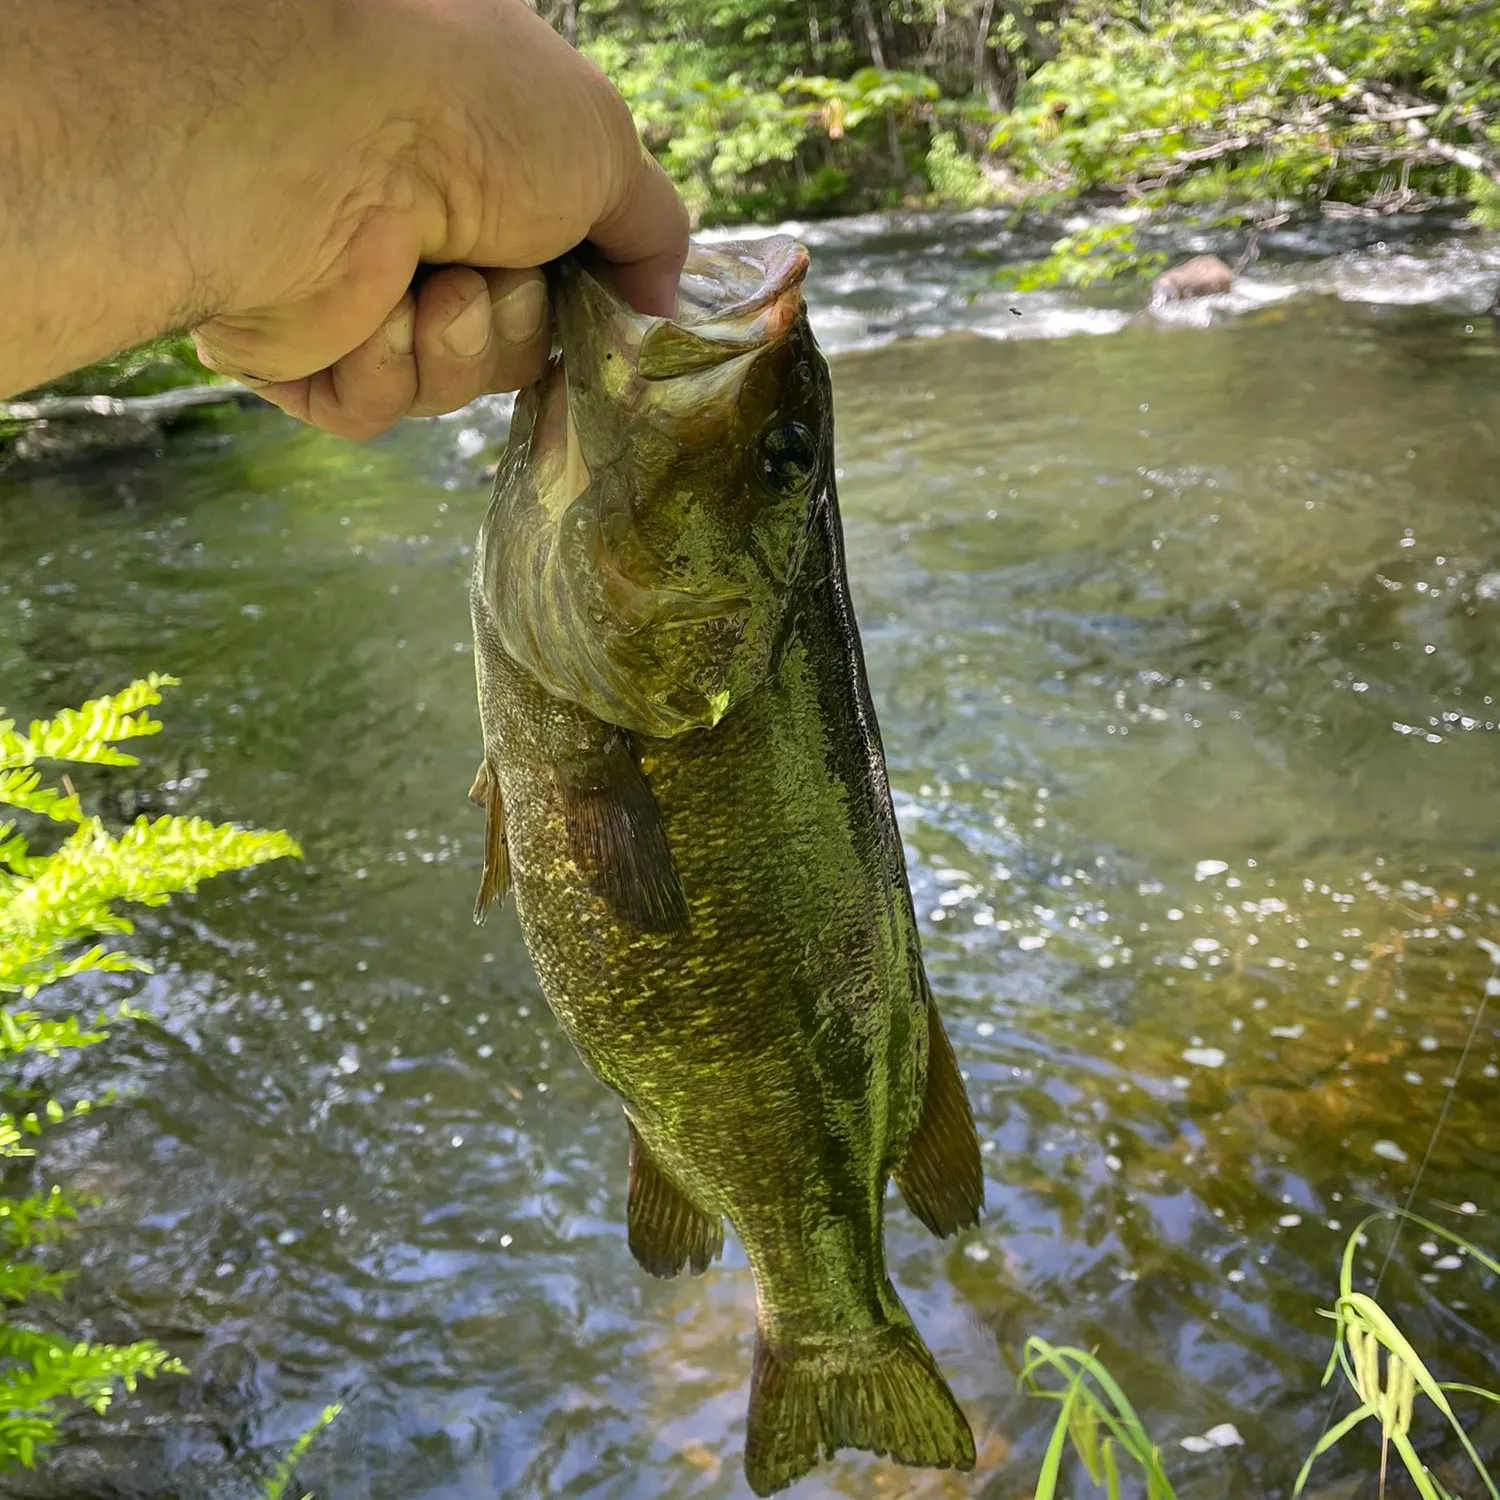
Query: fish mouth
[624, 377]
[735, 298]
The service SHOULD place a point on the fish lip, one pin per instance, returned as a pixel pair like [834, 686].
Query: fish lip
[705, 330]
[772, 307]
[761, 319]
[693, 609]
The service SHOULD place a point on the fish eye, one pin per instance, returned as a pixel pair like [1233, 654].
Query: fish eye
[788, 458]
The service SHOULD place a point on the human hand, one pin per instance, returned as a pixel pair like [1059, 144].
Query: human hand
[467, 139]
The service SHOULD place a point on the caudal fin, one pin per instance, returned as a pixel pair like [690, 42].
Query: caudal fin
[882, 1393]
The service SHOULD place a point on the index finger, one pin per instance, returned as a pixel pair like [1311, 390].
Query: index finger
[644, 237]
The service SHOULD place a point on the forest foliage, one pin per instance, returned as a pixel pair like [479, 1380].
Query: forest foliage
[759, 108]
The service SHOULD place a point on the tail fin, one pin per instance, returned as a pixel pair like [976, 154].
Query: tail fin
[882, 1393]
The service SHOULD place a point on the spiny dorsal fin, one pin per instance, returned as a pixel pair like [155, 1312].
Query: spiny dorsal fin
[940, 1175]
[495, 881]
[616, 838]
[667, 1231]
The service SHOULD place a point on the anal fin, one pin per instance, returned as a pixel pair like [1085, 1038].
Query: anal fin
[495, 881]
[940, 1175]
[616, 837]
[666, 1230]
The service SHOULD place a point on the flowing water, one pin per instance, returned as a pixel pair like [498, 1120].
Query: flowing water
[1183, 642]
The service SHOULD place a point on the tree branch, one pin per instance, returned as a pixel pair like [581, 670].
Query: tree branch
[1407, 116]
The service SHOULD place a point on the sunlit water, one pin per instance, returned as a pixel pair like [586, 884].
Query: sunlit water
[1183, 641]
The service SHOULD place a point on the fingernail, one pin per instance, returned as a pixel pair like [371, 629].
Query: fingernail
[469, 332]
[400, 331]
[520, 312]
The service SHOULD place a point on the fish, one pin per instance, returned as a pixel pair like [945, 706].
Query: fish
[686, 792]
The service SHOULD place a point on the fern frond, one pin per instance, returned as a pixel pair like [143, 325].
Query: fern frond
[71, 896]
[22, 787]
[29, 1221]
[84, 735]
[50, 906]
[281, 1476]
[42, 969]
[20, 1281]
[15, 852]
[51, 1372]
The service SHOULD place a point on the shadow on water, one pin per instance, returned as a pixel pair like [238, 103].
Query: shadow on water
[1183, 648]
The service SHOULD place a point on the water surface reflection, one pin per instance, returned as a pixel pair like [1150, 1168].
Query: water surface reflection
[1182, 643]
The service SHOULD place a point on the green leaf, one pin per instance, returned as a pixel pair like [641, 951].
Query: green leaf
[85, 734]
[1330, 1439]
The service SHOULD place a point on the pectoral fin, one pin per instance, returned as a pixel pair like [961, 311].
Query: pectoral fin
[667, 1231]
[940, 1175]
[616, 838]
[495, 881]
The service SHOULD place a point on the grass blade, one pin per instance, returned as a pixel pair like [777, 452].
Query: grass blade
[1335, 1434]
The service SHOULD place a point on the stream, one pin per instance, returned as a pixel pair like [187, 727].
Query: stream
[1182, 632]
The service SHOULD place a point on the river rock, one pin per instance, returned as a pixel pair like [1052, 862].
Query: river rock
[1202, 276]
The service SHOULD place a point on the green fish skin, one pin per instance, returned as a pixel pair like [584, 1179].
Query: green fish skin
[686, 791]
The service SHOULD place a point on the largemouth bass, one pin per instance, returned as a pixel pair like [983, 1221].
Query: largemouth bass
[687, 793]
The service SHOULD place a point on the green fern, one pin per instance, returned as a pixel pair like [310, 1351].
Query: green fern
[73, 894]
[52, 906]
[84, 735]
[47, 903]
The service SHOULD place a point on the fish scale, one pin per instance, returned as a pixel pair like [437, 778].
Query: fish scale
[686, 792]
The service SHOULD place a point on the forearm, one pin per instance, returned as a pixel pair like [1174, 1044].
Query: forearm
[272, 173]
[135, 145]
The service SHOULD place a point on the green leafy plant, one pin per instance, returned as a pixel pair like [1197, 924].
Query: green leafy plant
[1098, 253]
[1486, 196]
[956, 177]
[53, 904]
[844, 104]
[281, 1476]
[1096, 1416]
[1382, 1368]
[1387, 1390]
